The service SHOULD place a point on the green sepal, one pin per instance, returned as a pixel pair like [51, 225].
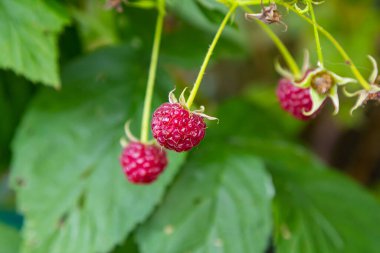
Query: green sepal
[306, 82]
[283, 72]
[182, 99]
[333, 94]
[375, 71]
[362, 96]
[172, 98]
[338, 80]
[342, 80]
[317, 99]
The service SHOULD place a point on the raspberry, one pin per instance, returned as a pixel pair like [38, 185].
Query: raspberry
[294, 100]
[143, 163]
[176, 128]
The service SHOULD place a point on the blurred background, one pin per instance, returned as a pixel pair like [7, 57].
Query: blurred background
[242, 68]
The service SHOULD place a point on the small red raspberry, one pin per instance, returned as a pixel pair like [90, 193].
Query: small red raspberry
[143, 163]
[176, 128]
[294, 100]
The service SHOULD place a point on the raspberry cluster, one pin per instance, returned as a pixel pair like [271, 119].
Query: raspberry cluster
[176, 128]
[143, 163]
[294, 100]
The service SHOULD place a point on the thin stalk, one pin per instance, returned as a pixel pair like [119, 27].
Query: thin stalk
[246, 3]
[152, 71]
[281, 47]
[316, 34]
[198, 81]
[336, 44]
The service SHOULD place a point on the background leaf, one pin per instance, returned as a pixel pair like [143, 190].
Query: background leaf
[194, 13]
[65, 172]
[220, 203]
[96, 25]
[316, 209]
[15, 94]
[70, 186]
[28, 35]
[9, 239]
[321, 211]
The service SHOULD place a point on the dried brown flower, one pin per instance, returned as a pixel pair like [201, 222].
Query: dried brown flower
[268, 15]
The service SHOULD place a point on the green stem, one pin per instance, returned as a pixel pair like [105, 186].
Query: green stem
[281, 47]
[316, 34]
[198, 81]
[340, 49]
[152, 72]
[246, 3]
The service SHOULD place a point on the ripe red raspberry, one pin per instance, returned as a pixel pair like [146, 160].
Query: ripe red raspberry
[294, 100]
[176, 128]
[143, 163]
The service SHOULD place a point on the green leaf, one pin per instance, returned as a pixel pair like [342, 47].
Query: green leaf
[137, 28]
[66, 171]
[220, 203]
[15, 93]
[317, 209]
[28, 39]
[214, 5]
[194, 13]
[9, 239]
[177, 50]
[213, 10]
[321, 211]
[128, 246]
[264, 120]
[95, 24]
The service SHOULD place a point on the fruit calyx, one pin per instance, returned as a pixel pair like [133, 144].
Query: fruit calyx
[177, 128]
[182, 101]
[322, 82]
[130, 137]
[373, 94]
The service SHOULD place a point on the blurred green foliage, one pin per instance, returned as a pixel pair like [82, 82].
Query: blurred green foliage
[249, 187]
[9, 239]
[15, 94]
